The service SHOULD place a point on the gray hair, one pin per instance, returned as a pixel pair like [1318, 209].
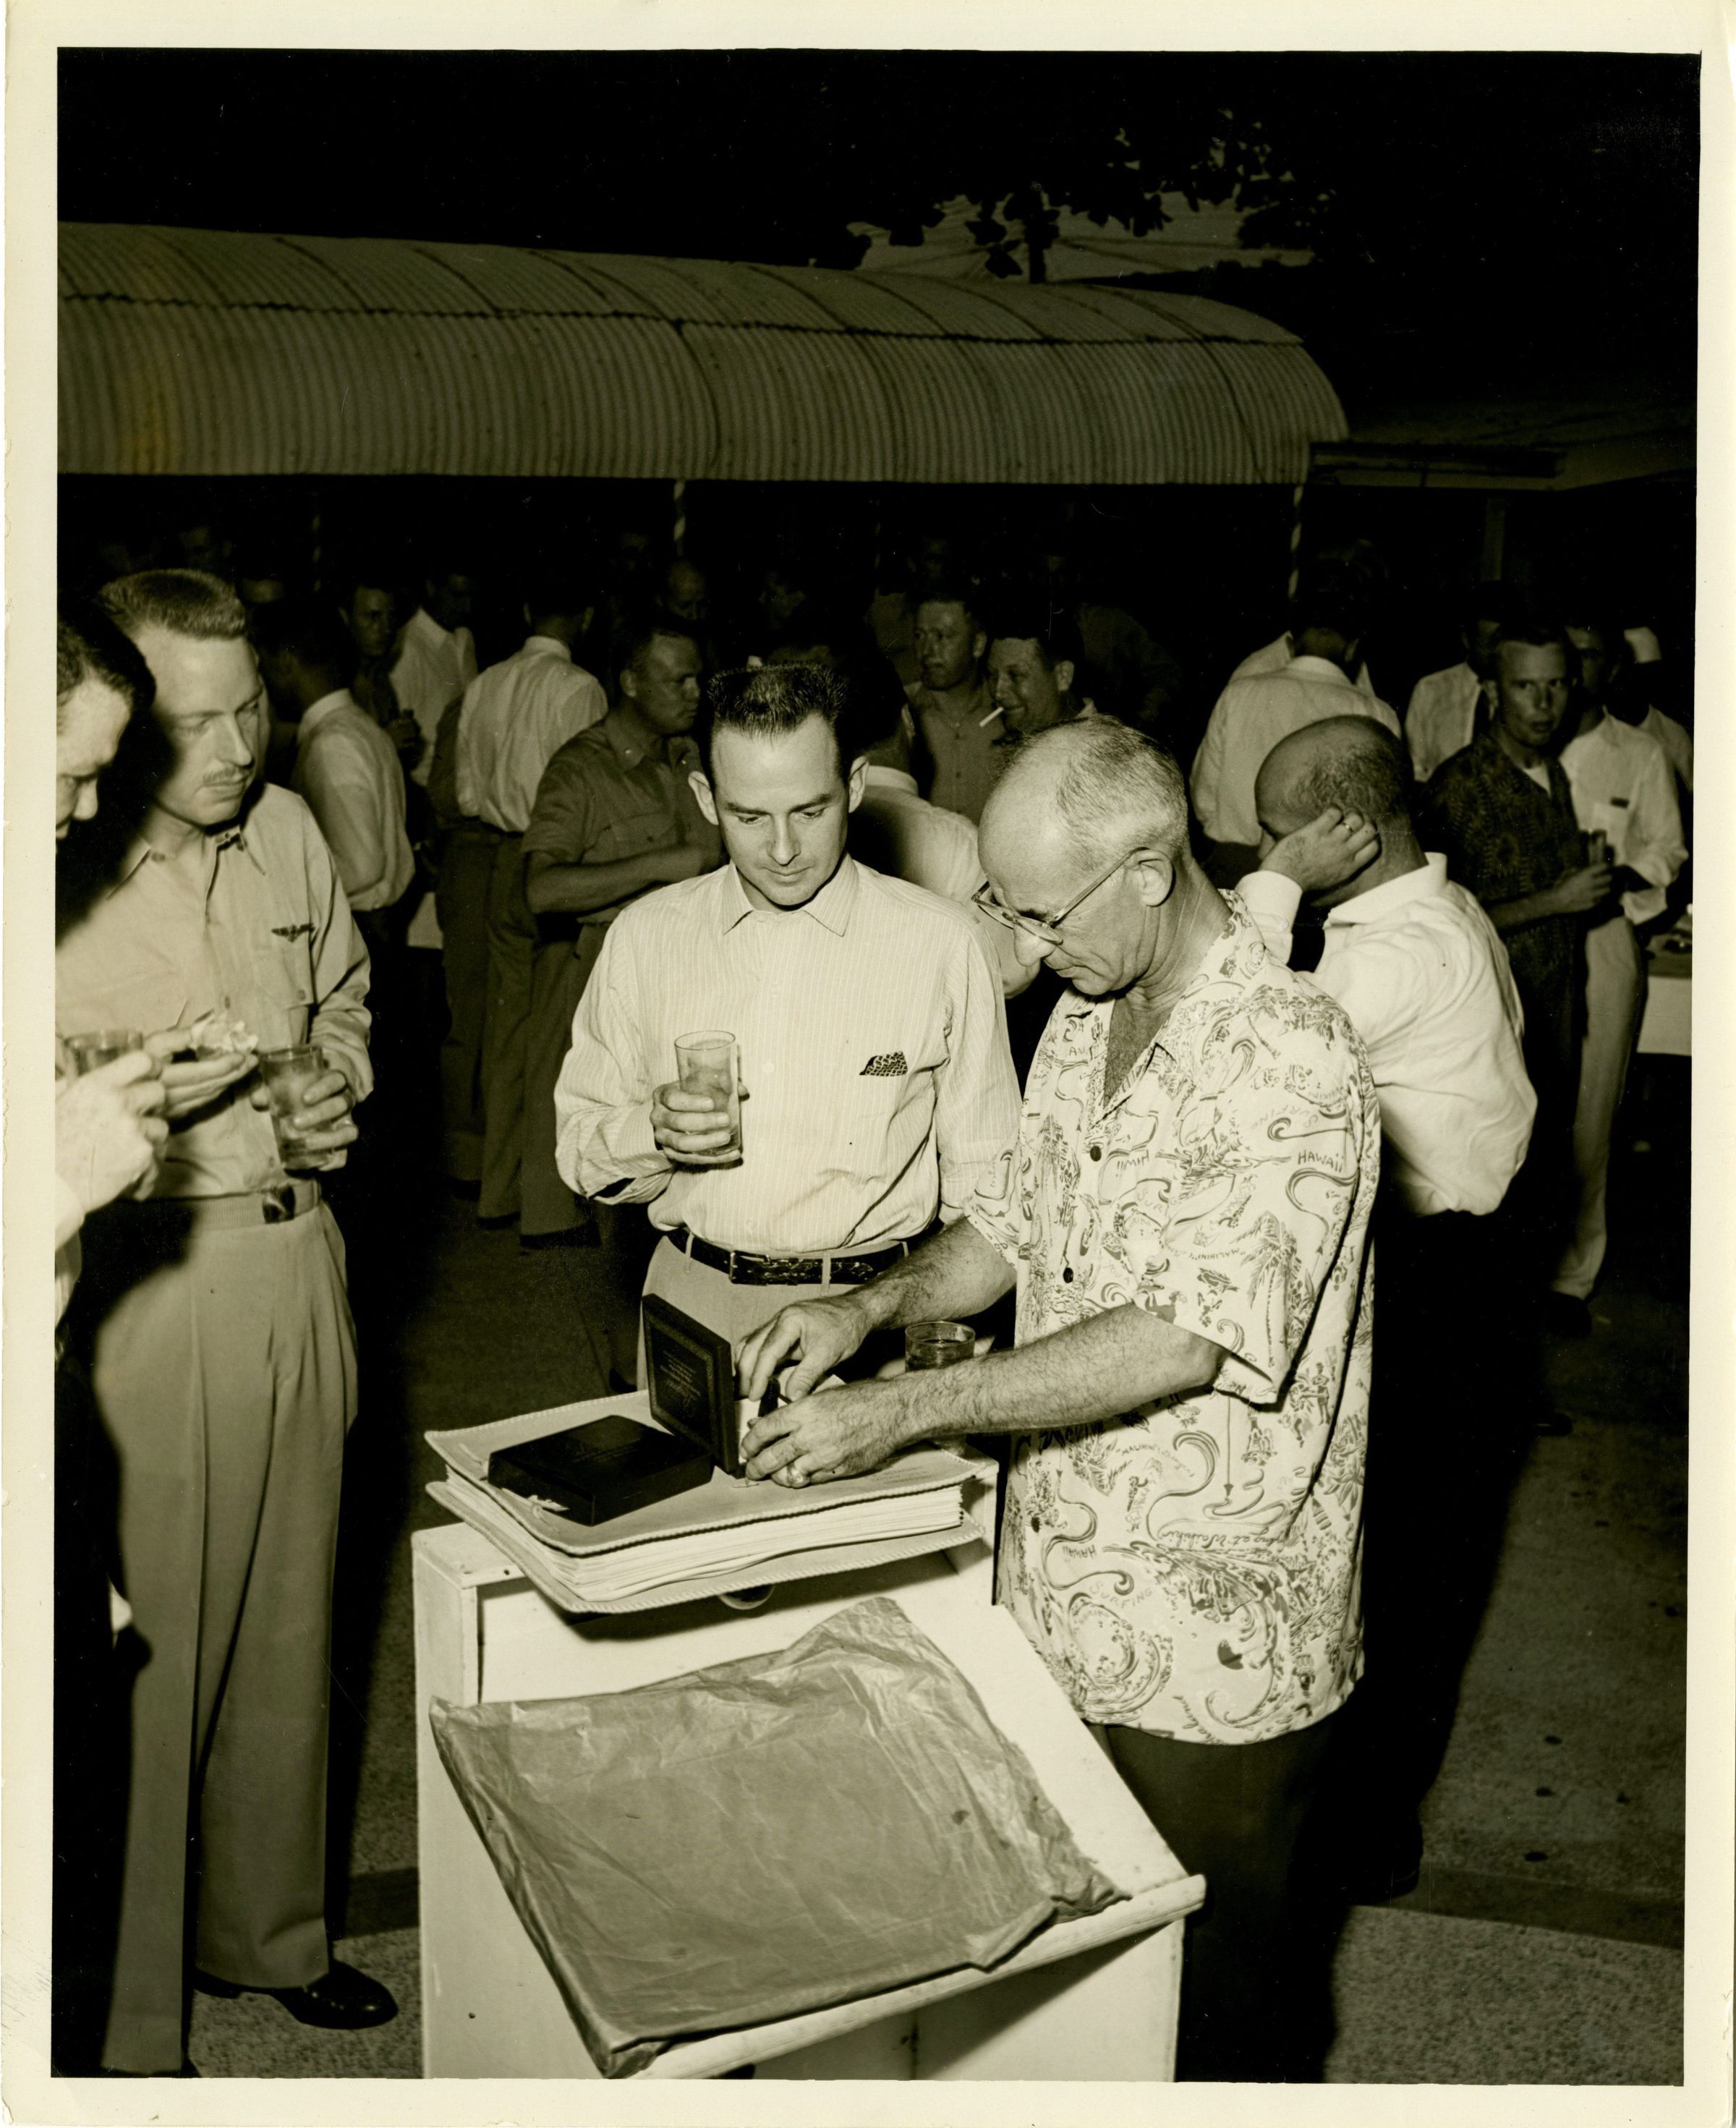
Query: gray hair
[1111, 787]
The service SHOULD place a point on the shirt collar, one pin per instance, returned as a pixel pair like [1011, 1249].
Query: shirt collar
[626, 737]
[317, 712]
[876, 778]
[234, 837]
[1426, 883]
[830, 908]
[549, 646]
[1317, 668]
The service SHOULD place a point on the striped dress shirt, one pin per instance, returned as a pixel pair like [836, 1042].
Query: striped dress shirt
[517, 717]
[880, 1088]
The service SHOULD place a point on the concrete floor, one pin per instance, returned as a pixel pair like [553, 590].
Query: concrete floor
[1543, 1944]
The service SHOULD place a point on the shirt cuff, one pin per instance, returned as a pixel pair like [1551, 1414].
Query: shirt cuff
[68, 1212]
[1005, 1245]
[1271, 896]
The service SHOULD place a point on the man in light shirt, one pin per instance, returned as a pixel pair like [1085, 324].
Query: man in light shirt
[873, 1047]
[1624, 789]
[1449, 708]
[436, 661]
[516, 718]
[1253, 715]
[1420, 971]
[956, 722]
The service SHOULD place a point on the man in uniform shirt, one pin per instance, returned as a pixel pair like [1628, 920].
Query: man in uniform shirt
[222, 1353]
[1625, 791]
[516, 718]
[956, 720]
[369, 606]
[1186, 1213]
[1251, 715]
[868, 1023]
[1419, 969]
[615, 814]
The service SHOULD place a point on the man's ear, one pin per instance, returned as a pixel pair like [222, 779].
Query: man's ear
[629, 682]
[1063, 670]
[857, 784]
[701, 784]
[1155, 876]
[907, 717]
[979, 645]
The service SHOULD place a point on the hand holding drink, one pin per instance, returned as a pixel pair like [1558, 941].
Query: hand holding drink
[310, 1104]
[697, 1119]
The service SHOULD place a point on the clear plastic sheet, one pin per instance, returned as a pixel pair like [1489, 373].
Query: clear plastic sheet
[771, 1836]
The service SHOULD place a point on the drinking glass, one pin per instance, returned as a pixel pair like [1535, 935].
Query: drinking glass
[707, 1063]
[287, 1074]
[90, 1052]
[938, 1344]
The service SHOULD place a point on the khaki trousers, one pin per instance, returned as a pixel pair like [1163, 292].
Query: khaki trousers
[224, 1369]
[1615, 993]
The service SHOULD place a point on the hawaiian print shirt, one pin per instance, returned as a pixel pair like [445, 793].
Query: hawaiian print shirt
[1193, 1568]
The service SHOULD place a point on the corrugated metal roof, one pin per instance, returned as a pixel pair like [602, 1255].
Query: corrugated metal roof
[201, 351]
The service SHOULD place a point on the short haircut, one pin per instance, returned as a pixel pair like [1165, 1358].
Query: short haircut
[377, 572]
[1534, 634]
[639, 631]
[311, 634]
[1034, 617]
[1116, 788]
[89, 646]
[1368, 771]
[1334, 604]
[768, 701]
[875, 705]
[186, 602]
[562, 590]
[1591, 612]
[957, 592]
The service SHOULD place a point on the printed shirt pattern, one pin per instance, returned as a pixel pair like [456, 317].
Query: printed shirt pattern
[1193, 1568]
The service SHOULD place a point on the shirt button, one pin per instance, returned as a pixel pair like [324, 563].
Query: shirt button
[1096, 1152]
[1066, 1275]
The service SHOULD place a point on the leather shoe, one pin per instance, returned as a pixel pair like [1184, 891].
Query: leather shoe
[341, 1999]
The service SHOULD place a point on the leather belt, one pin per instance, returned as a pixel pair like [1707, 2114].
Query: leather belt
[272, 1206]
[852, 1267]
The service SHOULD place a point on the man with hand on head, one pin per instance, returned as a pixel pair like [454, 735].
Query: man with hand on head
[108, 1127]
[221, 1349]
[1419, 969]
[869, 1025]
[1184, 1212]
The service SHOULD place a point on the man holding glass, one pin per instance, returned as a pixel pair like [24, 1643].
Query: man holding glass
[1186, 1216]
[867, 1027]
[221, 1351]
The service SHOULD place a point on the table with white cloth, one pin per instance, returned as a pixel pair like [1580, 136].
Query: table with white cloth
[1091, 1998]
[1667, 1030]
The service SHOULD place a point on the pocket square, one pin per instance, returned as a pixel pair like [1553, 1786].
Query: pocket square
[889, 1065]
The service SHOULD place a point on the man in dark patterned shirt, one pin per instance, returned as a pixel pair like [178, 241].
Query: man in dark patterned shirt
[1502, 812]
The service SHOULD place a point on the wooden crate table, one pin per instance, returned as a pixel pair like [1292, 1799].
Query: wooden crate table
[1092, 1999]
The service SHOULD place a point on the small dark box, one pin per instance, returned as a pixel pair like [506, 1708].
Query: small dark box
[596, 1471]
[692, 1382]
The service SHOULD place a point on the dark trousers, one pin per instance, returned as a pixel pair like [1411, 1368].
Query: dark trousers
[1255, 1970]
[506, 1031]
[461, 901]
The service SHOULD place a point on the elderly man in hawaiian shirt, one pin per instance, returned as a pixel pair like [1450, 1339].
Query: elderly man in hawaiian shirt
[1186, 1213]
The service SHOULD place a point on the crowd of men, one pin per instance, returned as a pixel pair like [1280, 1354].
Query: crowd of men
[1014, 1017]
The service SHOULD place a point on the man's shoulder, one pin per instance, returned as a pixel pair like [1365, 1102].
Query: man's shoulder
[688, 907]
[282, 822]
[900, 902]
[1286, 1010]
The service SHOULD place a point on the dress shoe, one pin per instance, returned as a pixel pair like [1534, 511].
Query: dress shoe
[1386, 1868]
[341, 1999]
[1553, 1424]
[1565, 1315]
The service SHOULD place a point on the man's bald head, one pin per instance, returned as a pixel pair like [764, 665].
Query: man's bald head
[1351, 762]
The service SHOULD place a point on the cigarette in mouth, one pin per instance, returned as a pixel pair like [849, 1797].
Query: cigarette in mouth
[990, 718]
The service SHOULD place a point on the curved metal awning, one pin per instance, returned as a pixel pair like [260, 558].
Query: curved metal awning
[199, 351]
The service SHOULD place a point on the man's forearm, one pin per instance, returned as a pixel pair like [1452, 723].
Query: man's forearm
[1526, 908]
[956, 1274]
[1115, 1362]
[575, 889]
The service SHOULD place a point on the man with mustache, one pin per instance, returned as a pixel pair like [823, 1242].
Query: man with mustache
[221, 1351]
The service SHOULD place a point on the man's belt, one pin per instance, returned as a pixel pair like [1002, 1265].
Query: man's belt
[854, 1267]
[269, 1207]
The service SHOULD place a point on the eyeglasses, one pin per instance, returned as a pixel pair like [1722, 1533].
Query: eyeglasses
[1047, 930]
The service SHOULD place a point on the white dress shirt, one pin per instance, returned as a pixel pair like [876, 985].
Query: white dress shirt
[1274, 655]
[1251, 716]
[880, 1087]
[435, 666]
[896, 830]
[1622, 783]
[347, 769]
[1442, 719]
[1423, 975]
[516, 718]
[1676, 741]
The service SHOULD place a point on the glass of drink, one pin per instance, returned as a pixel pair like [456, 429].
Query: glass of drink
[708, 1064]
[287, 1074]
[1597, 847]
[938, 1344]
[90, 1052]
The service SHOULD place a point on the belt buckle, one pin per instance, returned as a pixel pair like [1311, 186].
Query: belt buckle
[277, 1203]
[783, 1270]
